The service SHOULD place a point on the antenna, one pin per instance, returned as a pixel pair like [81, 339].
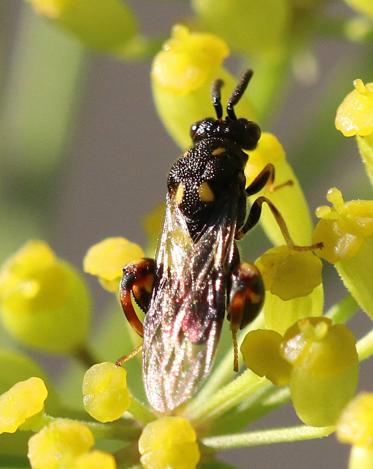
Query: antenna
[237, 93]
[216, 97]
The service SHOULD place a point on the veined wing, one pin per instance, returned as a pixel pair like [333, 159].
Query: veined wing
[184, 320]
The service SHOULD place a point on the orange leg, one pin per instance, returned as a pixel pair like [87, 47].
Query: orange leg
[138, 280]
[245, 301]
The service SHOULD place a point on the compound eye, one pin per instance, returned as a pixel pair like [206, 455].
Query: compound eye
[251, 135]
[194, 129]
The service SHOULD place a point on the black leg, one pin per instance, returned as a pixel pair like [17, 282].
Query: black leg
[266, 176]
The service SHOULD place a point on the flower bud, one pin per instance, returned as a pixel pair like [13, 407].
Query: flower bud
[21, 402]
[325, 369]
[107, 258]
[44, 302]
[346, 231]
[102, 25]
[169, 442]
[182, 74]
[59, 444]
[292, 280]
[105, 392]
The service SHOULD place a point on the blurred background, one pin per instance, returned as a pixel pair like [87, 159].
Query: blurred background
[84, 156]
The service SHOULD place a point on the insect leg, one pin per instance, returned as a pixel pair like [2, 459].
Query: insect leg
[254, 216]
[266, 176]
[246, 297]
[137, 279]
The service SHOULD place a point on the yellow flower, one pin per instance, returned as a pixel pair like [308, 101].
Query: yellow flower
[104, 25]
[355, 426]
[59, 444]
[325, 369]
[355, 114]
[22, 401]
[44, 301]
[107, 258]
[169, 442]
[182, 74]
[105, 392]
[293, 286]
[346, 230]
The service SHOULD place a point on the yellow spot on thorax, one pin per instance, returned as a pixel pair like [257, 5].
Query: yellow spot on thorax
[179, 194]
[218, 151]
[205, 193]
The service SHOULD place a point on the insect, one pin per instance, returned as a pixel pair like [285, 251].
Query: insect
[197, 275]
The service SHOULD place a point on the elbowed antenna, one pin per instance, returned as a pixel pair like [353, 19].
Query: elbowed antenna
[216, 97]
[237, 93]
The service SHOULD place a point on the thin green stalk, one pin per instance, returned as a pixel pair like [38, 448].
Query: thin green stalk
[140, 411]
[266, 437]
[122, 430]
[253, 409]
[364, 346]
[343, 311]
[227, 397]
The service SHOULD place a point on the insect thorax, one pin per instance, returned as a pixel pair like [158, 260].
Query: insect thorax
[204, 178]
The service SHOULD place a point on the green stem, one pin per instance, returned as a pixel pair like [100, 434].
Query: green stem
[343, 311]
[258, 405]
[365, 346]
[227, 397]
[265, 437]
[140, 411]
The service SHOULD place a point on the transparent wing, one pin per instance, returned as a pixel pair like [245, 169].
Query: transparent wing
[184, 320]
